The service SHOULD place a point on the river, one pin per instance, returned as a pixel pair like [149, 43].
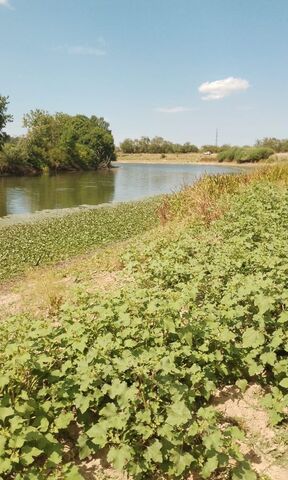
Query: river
[124, 182]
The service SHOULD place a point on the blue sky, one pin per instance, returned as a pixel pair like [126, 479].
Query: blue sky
[140, 63]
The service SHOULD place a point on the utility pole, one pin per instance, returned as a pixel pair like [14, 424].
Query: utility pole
[216, 140]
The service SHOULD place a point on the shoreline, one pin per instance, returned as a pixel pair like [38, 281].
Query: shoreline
[176, 159]
[216, 164]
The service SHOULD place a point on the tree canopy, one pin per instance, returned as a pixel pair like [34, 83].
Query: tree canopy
[60, 142]
[155, 145]
[278, 145]
[4, 118]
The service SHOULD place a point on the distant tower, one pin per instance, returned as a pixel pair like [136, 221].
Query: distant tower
[216, 139]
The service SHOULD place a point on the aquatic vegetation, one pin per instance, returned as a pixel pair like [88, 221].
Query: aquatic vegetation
[47, 240]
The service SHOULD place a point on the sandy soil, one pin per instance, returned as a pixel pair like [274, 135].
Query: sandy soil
[264, 446]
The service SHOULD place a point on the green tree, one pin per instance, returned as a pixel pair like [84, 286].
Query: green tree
[275, 143]
[60, 142]
[4, 118]
[155, 145]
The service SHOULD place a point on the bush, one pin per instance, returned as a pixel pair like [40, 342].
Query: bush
[245, 154]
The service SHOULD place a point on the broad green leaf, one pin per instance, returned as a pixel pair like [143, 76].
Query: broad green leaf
[98, 434]
[284, 383]
[73, 474]
[109, 410]
[252, 338]
[64, 420]
[5, 465]
[3, 441]
[154, 453]
[181, 462]
[243, 472]
[119, 457]
[213, 441]
[55, 458]
[29, 454]
[4, 380]
[178, 413]
[242, 384]
[210, 466]
[269, 357]
[6, 412]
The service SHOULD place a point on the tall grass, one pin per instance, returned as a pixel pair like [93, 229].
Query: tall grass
[208, 198]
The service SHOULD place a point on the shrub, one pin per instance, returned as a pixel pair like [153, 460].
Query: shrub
[245, 154]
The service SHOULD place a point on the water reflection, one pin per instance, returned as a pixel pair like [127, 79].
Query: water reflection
[20, 195]
[31, 194]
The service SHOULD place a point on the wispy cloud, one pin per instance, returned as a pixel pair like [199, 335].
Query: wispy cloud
[97, 50]
[179, 109]
[6, 3]
[85, 50]
[222, 88]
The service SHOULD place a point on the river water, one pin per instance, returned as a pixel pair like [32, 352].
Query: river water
[125, 182]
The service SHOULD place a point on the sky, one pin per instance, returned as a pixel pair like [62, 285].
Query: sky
[179, 69]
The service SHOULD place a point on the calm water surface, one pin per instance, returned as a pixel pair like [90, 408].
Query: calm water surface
[23, 195]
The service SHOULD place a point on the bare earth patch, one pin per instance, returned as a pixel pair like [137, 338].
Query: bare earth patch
[263, 445]
[43, 290]
[95, 470]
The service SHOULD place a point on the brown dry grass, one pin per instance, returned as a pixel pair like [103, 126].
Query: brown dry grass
[175, 158]
[209, 198]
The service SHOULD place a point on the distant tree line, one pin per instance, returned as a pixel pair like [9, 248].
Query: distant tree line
[275, 144]
[155, 145]
[58, 142]
[263, 148]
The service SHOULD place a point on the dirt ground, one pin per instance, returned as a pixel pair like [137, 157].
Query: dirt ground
[265, 447]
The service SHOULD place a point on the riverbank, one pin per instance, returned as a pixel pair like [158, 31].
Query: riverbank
[164, 349]
[175, 158]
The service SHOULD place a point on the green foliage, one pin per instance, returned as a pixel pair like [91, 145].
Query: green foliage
[275, 144]
[46, 240]
[135, 371]
[155, 145]
[60, 142]
[4, 119]
[245, 154]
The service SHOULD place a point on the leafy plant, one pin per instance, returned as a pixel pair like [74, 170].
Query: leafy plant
[135, 371]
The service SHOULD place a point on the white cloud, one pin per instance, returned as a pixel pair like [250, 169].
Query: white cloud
[173, 109]
[5, 3]
[222, 88]
[97, 50]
